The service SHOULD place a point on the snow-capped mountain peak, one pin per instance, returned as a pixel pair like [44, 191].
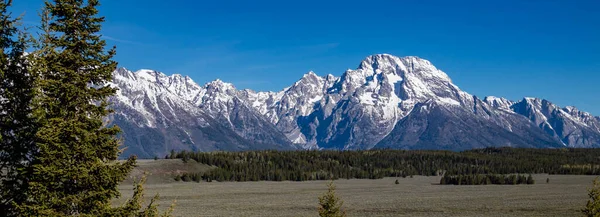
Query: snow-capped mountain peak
[150, 75]
[310, 74]
[498, 102]
[404, 101]
[219, 85]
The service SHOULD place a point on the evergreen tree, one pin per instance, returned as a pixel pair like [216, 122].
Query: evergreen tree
[488, 181]
[330, 204]
[592, 208]
[530, 180]
[74, 170]
[17, 124]
[172, 155]
[133, 207]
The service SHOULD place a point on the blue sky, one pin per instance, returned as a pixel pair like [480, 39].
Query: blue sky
[515, 48]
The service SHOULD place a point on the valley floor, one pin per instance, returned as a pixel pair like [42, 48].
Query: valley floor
[418, 196]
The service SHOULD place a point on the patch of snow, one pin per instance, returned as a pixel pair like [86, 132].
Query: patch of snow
[315, 99]
[448, 101]
[367, 98]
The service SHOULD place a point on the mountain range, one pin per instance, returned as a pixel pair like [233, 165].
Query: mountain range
[387, 102]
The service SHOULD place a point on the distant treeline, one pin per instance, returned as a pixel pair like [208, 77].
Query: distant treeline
[375, 164]
[486, 179]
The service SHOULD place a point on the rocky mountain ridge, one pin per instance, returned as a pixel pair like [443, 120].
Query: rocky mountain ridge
[387, 102]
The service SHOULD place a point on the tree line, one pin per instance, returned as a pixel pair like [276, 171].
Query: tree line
[486, 179]
[374, 164]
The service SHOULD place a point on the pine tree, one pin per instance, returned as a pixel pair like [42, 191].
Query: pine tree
[530, 180]
[17, 124]
[75, 170]
[592, 208]
[133, 207]
[330, 204]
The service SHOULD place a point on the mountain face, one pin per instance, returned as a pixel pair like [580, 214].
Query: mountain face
[159, 113]
[569, 125]
[387, 102]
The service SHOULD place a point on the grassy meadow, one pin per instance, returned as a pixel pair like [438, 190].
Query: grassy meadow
[418, 196]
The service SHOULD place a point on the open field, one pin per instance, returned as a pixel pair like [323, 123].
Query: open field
[418, 196]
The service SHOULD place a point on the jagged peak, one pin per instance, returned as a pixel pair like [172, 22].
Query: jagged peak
[575, 111]
[178, 76]
[146, 71]
[310, 74]
[309, 78]
[532, 100]
[571, 108]
[492, 98]
[123, 72]
[498, 102]
[412, 66]
[159, 77]
[331, 78]
[149, 74]
[219, 85]
[421, 77]
[373, 61]
[496, 99]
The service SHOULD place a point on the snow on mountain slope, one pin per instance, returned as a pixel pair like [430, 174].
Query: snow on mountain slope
[229, 105]
[433, 125]
[572, 127]
[363, 105]
[295, 101]
[388, 101]
[158, 113]
[143, 90]
[499, 103]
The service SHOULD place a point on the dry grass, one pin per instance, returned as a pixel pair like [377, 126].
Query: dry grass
[418, 196]
[163, 170]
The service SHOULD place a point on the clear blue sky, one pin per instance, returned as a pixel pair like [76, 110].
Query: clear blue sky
[541, 48]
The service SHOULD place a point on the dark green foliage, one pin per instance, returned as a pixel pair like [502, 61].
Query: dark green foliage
[186, 177]
[485, 179]
[592, 207]
[71, 166]
[133, 207]
[74, 171]
[17, 124]
[375, 164]
[330, 205]
[58, 157]
[196, 177]
[173, 155]
[530, 180]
